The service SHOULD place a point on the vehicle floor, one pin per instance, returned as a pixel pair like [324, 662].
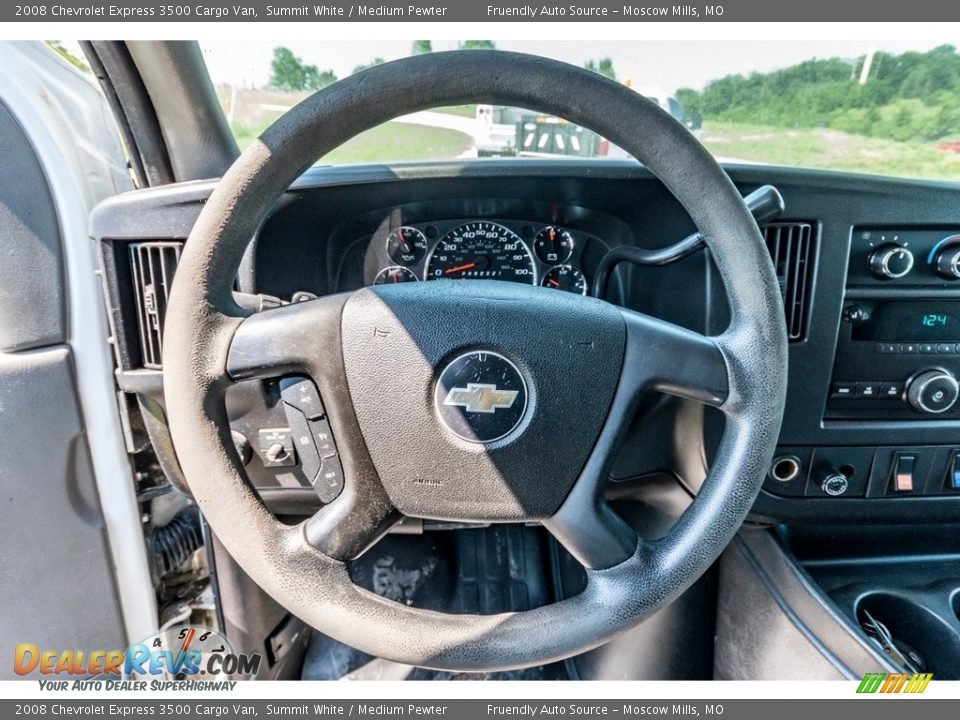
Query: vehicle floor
[489, 570]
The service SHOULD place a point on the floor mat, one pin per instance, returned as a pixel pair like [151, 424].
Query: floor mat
[485, 570]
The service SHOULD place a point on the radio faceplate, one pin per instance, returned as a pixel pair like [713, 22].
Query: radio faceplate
[897, 359]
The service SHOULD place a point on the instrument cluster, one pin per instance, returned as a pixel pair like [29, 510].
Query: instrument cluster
[523, 252]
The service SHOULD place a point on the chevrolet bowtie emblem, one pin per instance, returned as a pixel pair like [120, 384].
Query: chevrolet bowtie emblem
[481, 398]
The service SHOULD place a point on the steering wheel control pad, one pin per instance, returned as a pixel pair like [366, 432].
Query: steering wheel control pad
[482, 335]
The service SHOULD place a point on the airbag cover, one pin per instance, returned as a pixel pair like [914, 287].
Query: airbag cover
[397, 340]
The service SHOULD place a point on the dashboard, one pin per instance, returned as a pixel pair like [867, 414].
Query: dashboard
[514, 251]
[869, 268]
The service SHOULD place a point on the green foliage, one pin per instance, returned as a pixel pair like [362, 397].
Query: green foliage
[913, 96]
[478, 45]
[604, 66]
[366, 66]
[290, 74]
[59, 49]
[421, 47]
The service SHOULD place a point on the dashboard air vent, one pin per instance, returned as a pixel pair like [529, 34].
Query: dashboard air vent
[790, 245]
[152, 266]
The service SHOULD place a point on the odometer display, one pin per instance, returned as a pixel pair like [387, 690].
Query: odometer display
[481, 251]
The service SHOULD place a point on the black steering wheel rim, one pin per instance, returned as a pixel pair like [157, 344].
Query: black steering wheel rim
[204, 327]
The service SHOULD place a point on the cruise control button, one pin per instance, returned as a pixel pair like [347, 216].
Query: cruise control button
[323, 437]
[302, 394]
[329, 481]
[303, 441]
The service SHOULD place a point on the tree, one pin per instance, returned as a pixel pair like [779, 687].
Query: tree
[478, 45]
[421, 47]
[604, 66]
[60, 50]
[291, 74]
[372, 63]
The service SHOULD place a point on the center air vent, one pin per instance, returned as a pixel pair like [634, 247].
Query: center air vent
[152, 267]
[790, 245]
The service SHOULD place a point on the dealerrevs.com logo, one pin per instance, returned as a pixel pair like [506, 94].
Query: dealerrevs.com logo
[186, 652]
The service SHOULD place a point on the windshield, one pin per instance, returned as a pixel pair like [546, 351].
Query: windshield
[882, 108]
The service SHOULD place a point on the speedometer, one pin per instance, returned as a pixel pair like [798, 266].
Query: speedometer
[481, 251]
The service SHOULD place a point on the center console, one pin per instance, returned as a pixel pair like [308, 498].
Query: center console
[897, 364]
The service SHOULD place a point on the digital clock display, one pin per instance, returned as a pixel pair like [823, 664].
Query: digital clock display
[925, 324]
[909, 321]
[934, 320]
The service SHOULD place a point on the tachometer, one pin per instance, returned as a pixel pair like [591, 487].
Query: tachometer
[481, 250]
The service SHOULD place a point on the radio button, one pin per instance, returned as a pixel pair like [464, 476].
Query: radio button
[933, 391]
[887, 348]
[891, 391]
[868, 390]
[907, 348]
[946, 348]
[842, 390]
[927, 348]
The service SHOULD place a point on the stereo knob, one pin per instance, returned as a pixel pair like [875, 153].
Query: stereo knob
[891, 261]
[933, 391]
[948, 262]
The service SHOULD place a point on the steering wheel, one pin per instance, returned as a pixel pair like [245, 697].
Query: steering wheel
[473, 400]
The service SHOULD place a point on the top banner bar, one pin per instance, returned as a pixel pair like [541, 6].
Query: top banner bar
[477, 11]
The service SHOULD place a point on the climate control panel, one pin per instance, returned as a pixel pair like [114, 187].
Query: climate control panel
[891, 257]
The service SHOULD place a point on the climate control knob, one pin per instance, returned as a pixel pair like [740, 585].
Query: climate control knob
[933, 391]
[947, 262]
[891, 261]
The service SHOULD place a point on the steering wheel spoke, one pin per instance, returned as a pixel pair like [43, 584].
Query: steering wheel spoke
[288, 340]
[301, 341]
[346, 528]
[658, 356]
[664, 357]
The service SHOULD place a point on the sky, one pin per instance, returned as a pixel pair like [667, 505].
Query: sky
[663, 65]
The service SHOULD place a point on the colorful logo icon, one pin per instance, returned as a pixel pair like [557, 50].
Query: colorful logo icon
[894, 683]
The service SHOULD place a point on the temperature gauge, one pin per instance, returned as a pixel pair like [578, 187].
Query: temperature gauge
[553, 245]
[565, 277]
[406, 246]
[391, 275]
